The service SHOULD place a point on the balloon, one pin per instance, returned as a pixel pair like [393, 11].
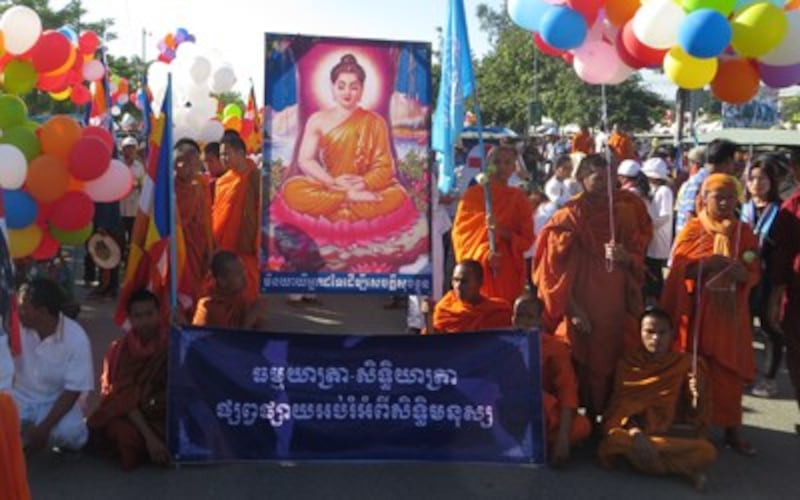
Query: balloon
[20, 209]
[51, 52]
[544, 48]
[72, 211]
[200, 69]
[724, 7]
[223, 79]
[596, 62]
[704, 33]
[742, 4]
[13, 167]
[626, 57]
[788, 51]
[72, 238]
[656, 22]
[47, 178]
[22, 242]
[80, 95]
[527, 13]
[212, 131]
[24, 139]
[620, 12]
[88, 158]
[47, 249]
[13, 111]
[102, 134]
[232, 123]
[779, 76]
[115, 184]
[563, 28]
[21, 28]
[69, 34]
[58, 135]
[53, 83]
[587, 8]
[61, 96]
[232, 110]
[758, 29]
[647, 55]
[93, 70]
[88, 42]
[74, 184]
[19, 77]
[157, 77]
[792, 5]
[689, 72]
[736, 82]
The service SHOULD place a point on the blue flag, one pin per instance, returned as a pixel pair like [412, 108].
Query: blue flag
[457, 83]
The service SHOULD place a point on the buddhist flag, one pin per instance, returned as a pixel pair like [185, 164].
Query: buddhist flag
[252, 134]
[9, 320]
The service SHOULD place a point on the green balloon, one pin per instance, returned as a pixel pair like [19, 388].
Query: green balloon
[20, 77]
[32, 126]
[12, 111]
[232, 110]
[24, 139]
[72, 238]
[724, 7]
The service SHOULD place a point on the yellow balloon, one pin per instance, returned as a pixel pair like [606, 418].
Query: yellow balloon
[758, 29]
[61, 96]
[689, 72]
[23, 242]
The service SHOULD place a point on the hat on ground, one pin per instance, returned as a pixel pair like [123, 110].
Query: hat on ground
[656, 168]
[629, 168]
[105, 251]
[129, 141]
[697, 154]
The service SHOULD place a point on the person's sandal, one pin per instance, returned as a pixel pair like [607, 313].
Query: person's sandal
[740, 446]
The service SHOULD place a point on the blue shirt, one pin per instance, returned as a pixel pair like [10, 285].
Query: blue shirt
[687, 198]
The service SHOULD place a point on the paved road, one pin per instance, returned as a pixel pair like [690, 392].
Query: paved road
[770, 425]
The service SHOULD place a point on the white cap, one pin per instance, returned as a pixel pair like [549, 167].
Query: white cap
[129, 141]
[629, 168]
[656, 168]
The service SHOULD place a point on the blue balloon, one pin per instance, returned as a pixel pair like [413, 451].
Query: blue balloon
[21, 209]
[69, 33]
[181, 35]
[527, 13]
[563, 28]
[704, 33]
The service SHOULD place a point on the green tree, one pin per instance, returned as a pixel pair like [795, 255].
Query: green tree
[508, 82]
[790, 109]
[231, 97]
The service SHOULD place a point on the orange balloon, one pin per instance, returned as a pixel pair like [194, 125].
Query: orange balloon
[47, 178]
[232, 122]
[791, 5]
[58, 135]
[75, 185]
[620, 12]
[736, 81]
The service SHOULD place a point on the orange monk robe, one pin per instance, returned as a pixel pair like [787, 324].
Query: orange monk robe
[560, 391]
[358, 146]
[726, 337]
[570, 265]
[194, 212]
[513, 211]
[452, 315]
[134, 377]
[236, 219]
[13, 476]
[622, 146]
[652, 394]
[583, 143]
[221, 310]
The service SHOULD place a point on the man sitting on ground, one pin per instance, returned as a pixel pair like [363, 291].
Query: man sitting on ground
[464, 309]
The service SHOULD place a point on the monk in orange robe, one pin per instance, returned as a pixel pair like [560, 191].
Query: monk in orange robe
[565, 427]
[721, 254]
[465, 309]
[236, 214]
[621, 145]
[504, 269]
[658, 414]
[131, 419]
[590, 285]
[583, 142]
[226, 306]
[194, 212]
[13, 476]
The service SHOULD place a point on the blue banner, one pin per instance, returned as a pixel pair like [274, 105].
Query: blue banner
[247, 396]
[373, 283]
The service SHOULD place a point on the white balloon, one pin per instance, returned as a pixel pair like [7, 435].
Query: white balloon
[200, 69]
[223, 79]
[13, 167]
[21, 29]
[123, 99]
[207, 106]
[157, 77]
[182, 132]
[115, 183]
[197, 93]
[788, 52]
[93, 70]
[195, 118]
[186, 50]
[212, 131]
[115, 111]
[656, 23]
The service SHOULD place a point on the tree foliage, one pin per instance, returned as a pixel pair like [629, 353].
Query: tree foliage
[506, 80]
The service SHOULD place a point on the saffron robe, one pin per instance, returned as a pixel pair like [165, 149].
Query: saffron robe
[512, 210]
[570, 265]
[221, 310]
[559, 391]
[194, 211]
[622, 146]
[583, 143]
[13, 476]
[452, 315]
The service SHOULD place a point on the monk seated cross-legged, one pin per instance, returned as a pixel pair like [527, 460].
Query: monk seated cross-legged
[565, 427]
[464, 309]
[227, 305]
[658, 413]
[131, 419]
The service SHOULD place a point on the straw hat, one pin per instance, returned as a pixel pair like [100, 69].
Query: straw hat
[105, 251]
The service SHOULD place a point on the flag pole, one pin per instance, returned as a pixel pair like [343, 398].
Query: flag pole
[487, 190]
[173, 247]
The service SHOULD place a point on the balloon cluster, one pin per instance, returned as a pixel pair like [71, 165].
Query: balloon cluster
[51, 176]
[168, 46]
[119, 88]
[53, 61]
[733, 45]
[245, 123]
[197, 73]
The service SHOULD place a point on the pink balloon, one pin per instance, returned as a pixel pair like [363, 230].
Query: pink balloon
[101, 133]
[779, 77]
[115, 184]
[597, 63]
[72, 211]
[88, 159]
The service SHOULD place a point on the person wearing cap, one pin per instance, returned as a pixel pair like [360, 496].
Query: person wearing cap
[661, 214]
[629, 173]
[621, 144]
[129, 205]
[561, 186]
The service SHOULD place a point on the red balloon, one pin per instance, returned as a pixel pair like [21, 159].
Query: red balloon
[648, 55]
[48, 248]
[74, 77]
[88, 42]
[626, 56]
[50, 52]
[72, 211]
[100, 133]
[43, 215]
[568, 57]
[88, 159]
[80, 95]
[544, 47]
[53, 83]
[588, 9]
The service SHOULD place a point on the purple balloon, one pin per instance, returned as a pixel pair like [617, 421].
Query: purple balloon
[779, 76]
[162, 46]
